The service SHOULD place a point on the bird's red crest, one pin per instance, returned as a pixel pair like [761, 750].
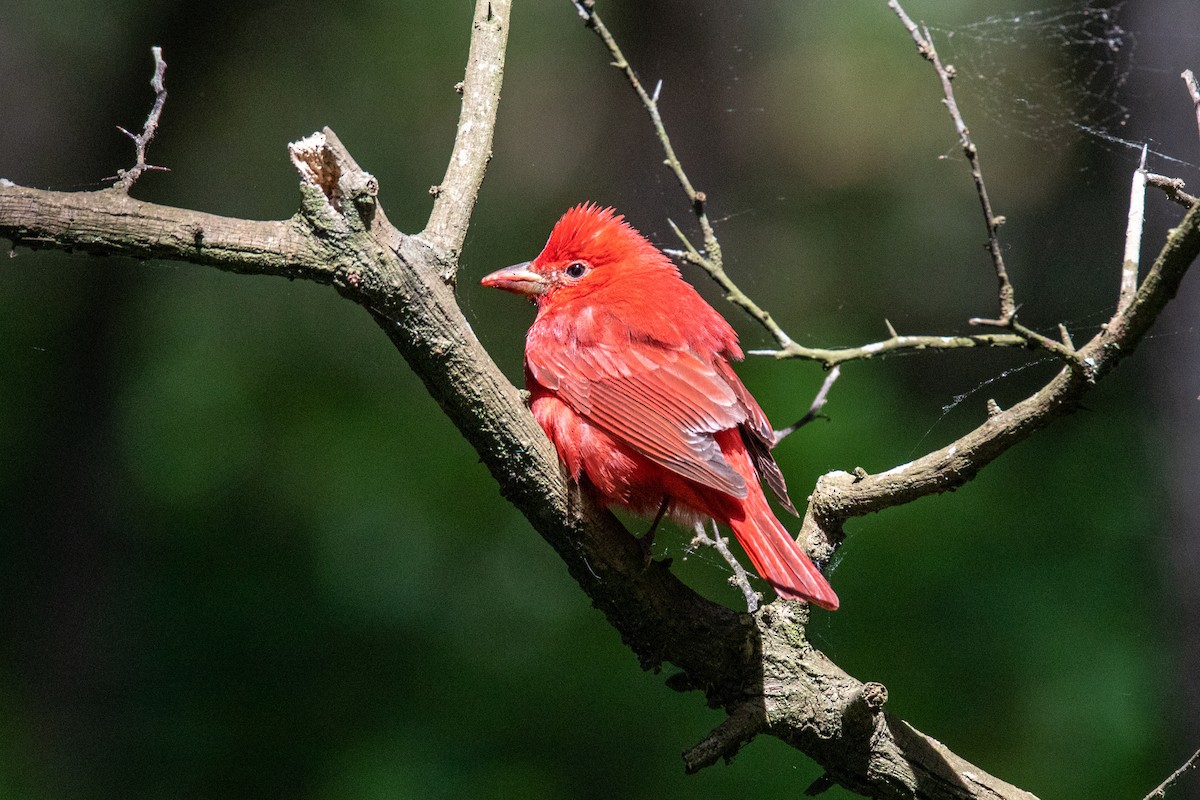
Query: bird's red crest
[601, 236]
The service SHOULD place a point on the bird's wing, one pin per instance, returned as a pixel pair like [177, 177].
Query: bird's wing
[665, 402]
[759, 437]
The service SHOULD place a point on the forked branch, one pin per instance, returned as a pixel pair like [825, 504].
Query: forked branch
[125, 178]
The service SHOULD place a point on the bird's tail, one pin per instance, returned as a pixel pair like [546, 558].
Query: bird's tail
[779, 559]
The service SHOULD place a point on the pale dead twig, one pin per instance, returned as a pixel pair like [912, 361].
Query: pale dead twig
[125, 178]
[739, 578]
[1133, 236]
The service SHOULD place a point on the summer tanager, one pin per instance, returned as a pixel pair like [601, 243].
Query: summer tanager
[628, 373]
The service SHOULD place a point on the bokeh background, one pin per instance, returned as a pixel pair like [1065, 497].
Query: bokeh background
[242, 554]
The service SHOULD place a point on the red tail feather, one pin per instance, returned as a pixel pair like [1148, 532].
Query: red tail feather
[780, 560]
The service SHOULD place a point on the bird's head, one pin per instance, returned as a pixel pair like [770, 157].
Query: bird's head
[590, 248]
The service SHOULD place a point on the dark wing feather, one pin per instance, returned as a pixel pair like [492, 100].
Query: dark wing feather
[759, 437]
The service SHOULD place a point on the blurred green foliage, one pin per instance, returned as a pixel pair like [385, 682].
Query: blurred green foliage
[244, 555]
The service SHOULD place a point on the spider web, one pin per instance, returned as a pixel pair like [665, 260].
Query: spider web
[1048, 72]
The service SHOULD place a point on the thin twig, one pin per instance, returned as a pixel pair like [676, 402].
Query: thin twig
[710, 260]
[1161, 789]
[814, 410]
[831, 357]
[739, 578]
[733, 294]
[587, 10]
[924, 42]
[126, 178]
[1173, 188]
[1194, 91]
[1067, 354]
[1133, 236]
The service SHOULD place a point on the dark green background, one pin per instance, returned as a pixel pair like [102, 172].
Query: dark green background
[242, 554]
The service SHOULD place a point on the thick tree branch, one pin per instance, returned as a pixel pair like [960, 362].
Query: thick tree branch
[110, 222]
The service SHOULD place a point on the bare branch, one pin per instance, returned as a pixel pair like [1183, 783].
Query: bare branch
[813, 410]
[1035, 339]
[924, 42]
[1161, 789]
[1133, 236]
[454, 198]
[112, 223]
[739, 578]
[745, 721]
[830, 358]
[733, 294]
[1173, 188]
[587, 10]
[126, 178]
[841, 495]
[1189, 78]
[710, 260]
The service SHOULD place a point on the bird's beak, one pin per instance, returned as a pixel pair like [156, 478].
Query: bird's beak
[518, 278]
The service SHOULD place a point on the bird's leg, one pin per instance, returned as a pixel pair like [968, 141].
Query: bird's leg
[739, 578]
[647, 540]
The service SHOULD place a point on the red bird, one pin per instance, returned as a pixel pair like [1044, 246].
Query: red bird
[628, 372]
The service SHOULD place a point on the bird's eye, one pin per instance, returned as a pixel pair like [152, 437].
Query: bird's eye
[576, 269]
